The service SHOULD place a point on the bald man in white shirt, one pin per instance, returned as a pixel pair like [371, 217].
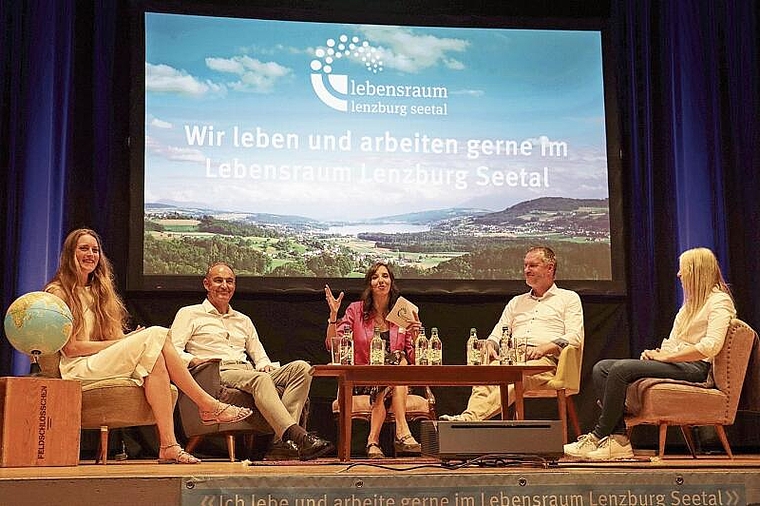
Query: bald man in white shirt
[214, 330]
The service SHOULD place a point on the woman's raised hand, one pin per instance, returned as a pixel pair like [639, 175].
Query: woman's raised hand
[332, 302]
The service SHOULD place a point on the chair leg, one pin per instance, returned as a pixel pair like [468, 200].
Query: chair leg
[724, 440]
[689, 438]
[102, 455]
[192, 443]
[663, 435]
[562, 409]
[573, 415]
[248, 442]
[230, 445]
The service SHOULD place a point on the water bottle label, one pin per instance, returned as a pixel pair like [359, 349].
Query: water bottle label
[346, 354]
[377, 357]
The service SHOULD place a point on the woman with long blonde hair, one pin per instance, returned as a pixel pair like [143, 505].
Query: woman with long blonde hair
[698, 333]
[99, 349]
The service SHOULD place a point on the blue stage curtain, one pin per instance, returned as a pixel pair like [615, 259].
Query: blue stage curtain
[740, 145]
[37, 87]
[687, 77]
[62, 137]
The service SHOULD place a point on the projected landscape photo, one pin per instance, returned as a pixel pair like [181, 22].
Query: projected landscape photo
[446, 244]
[303, 149]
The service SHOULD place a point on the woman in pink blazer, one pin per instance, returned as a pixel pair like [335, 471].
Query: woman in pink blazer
[378, 297]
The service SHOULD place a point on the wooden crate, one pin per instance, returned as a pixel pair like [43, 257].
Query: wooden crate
[41, 419]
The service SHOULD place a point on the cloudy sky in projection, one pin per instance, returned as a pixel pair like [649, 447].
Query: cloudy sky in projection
[340, 122]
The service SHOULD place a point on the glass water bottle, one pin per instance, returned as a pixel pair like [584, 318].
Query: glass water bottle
[377, 349]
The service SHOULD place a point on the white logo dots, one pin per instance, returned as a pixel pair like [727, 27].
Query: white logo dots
[344, 47]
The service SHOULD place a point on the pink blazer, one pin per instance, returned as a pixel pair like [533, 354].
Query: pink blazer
[364, 330]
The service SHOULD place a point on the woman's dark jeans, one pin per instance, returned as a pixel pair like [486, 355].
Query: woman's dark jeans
[612, 377]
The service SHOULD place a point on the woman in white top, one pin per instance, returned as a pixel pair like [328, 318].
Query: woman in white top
[698, 333]
[98, 348]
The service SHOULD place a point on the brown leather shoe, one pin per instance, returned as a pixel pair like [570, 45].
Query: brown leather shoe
[282, 450]
[312, 447]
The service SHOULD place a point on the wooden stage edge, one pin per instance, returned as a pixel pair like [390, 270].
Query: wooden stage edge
[646, 481]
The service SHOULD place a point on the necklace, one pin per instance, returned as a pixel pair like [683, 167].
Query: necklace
[379, 320]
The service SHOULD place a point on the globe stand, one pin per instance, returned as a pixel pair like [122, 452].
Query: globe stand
[34, 367]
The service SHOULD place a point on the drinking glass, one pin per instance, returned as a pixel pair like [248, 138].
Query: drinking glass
[480, 345]
[335, 350]
[522, 346]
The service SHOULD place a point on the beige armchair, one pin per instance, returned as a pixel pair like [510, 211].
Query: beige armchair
[664, 402]
[207, 376]
[565, 384]
[108, 404]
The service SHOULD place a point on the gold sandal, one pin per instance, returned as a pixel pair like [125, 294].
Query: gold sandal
[374, 451]
[182, 456]
[407, 445]
[225, 413]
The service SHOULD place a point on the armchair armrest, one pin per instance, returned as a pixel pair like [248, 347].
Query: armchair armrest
[207, 376]
[568, 375]
[430, 398]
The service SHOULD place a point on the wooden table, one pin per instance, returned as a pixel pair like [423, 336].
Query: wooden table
[350, 376]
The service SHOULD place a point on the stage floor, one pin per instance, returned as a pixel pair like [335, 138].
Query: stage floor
[677, 481]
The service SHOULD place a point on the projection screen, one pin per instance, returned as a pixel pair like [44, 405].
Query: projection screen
[301, 151]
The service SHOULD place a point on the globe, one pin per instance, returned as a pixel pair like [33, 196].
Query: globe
[38, 323]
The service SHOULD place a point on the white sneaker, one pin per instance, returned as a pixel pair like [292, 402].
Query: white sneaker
[585, 444]
[614, 447]
[451, 418]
